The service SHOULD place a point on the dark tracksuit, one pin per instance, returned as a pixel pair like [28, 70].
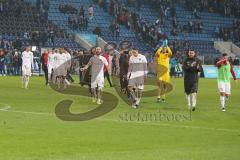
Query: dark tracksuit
[85, 76]
[44, 60]
[123, 64]
[191, 75]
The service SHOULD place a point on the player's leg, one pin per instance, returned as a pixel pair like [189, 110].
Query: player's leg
[106, 74]
[46, 75]
[194, 90]
[23, 81]
[139, 94]
[94, 91]
[188, 100]
[227, 92]
[23, 76]
[132, 95]
[222, 100]
[27, 78]
[166, 82]
[100, 85]
[222, 90]
[99, 95]
[159, 84]
[187, 90]
[50, 69]
[194, 101]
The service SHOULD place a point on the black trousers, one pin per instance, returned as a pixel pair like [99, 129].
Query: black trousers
[45, 70]
[106, 74]
[190, 86]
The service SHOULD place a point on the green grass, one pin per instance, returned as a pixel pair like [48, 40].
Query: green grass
[27, 135]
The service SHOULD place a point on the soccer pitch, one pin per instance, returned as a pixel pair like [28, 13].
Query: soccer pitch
[30, 130]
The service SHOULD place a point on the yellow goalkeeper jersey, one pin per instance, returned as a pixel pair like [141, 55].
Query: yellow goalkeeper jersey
[163, 58]
[162, 68]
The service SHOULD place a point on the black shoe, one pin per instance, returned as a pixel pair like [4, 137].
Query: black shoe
[193, 109]
[163, 100]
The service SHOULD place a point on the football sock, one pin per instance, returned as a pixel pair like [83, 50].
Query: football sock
[194, 99]
[222, 101]
[188, 99]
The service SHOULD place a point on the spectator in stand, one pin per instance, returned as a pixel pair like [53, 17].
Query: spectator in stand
[81, 11]
[85, 23]
[90, 12]
[195, 13]
[97, 31]
[17, 44]
[2, 63]
[8, 63]
[51, 37]
[16, 63]
[81, 23]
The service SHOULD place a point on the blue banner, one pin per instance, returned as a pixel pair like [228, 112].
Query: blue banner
[90, 38]
[237, 71]
[212, 71]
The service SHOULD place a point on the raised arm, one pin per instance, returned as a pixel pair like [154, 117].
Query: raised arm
[169, 52]
[233, 73]
[221, 62]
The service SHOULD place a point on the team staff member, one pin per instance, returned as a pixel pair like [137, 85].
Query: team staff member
[44, 60]
[192, 69]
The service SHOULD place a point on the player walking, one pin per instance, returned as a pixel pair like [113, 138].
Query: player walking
[97, 63]
[192, 69]
[162, 57]
[61, 70]
[225, 70]
[27, 66]
[44, 60]
[51, 64]
[137, 74]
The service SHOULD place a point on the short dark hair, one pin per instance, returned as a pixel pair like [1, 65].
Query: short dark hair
[224, 54]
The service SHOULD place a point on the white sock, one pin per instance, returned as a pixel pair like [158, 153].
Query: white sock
[188, 99]
[194, 99]
[23, 81]
[222, 101]
[49, 77]
[26, 81]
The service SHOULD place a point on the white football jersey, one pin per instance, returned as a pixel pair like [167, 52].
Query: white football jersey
[52, 59]
[60, 59]
[137, 66]
[27, 59]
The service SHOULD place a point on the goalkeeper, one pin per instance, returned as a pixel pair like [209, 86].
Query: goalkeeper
[162, 58]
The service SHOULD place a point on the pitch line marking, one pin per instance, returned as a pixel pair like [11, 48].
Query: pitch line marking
[7, 107]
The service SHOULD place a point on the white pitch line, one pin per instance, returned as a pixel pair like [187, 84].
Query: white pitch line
[7, 107]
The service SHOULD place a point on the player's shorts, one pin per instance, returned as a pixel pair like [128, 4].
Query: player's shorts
[224, 87]
[136, 83]
[97, 82]
[26, 70]
[60, 71]
[163, 74]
